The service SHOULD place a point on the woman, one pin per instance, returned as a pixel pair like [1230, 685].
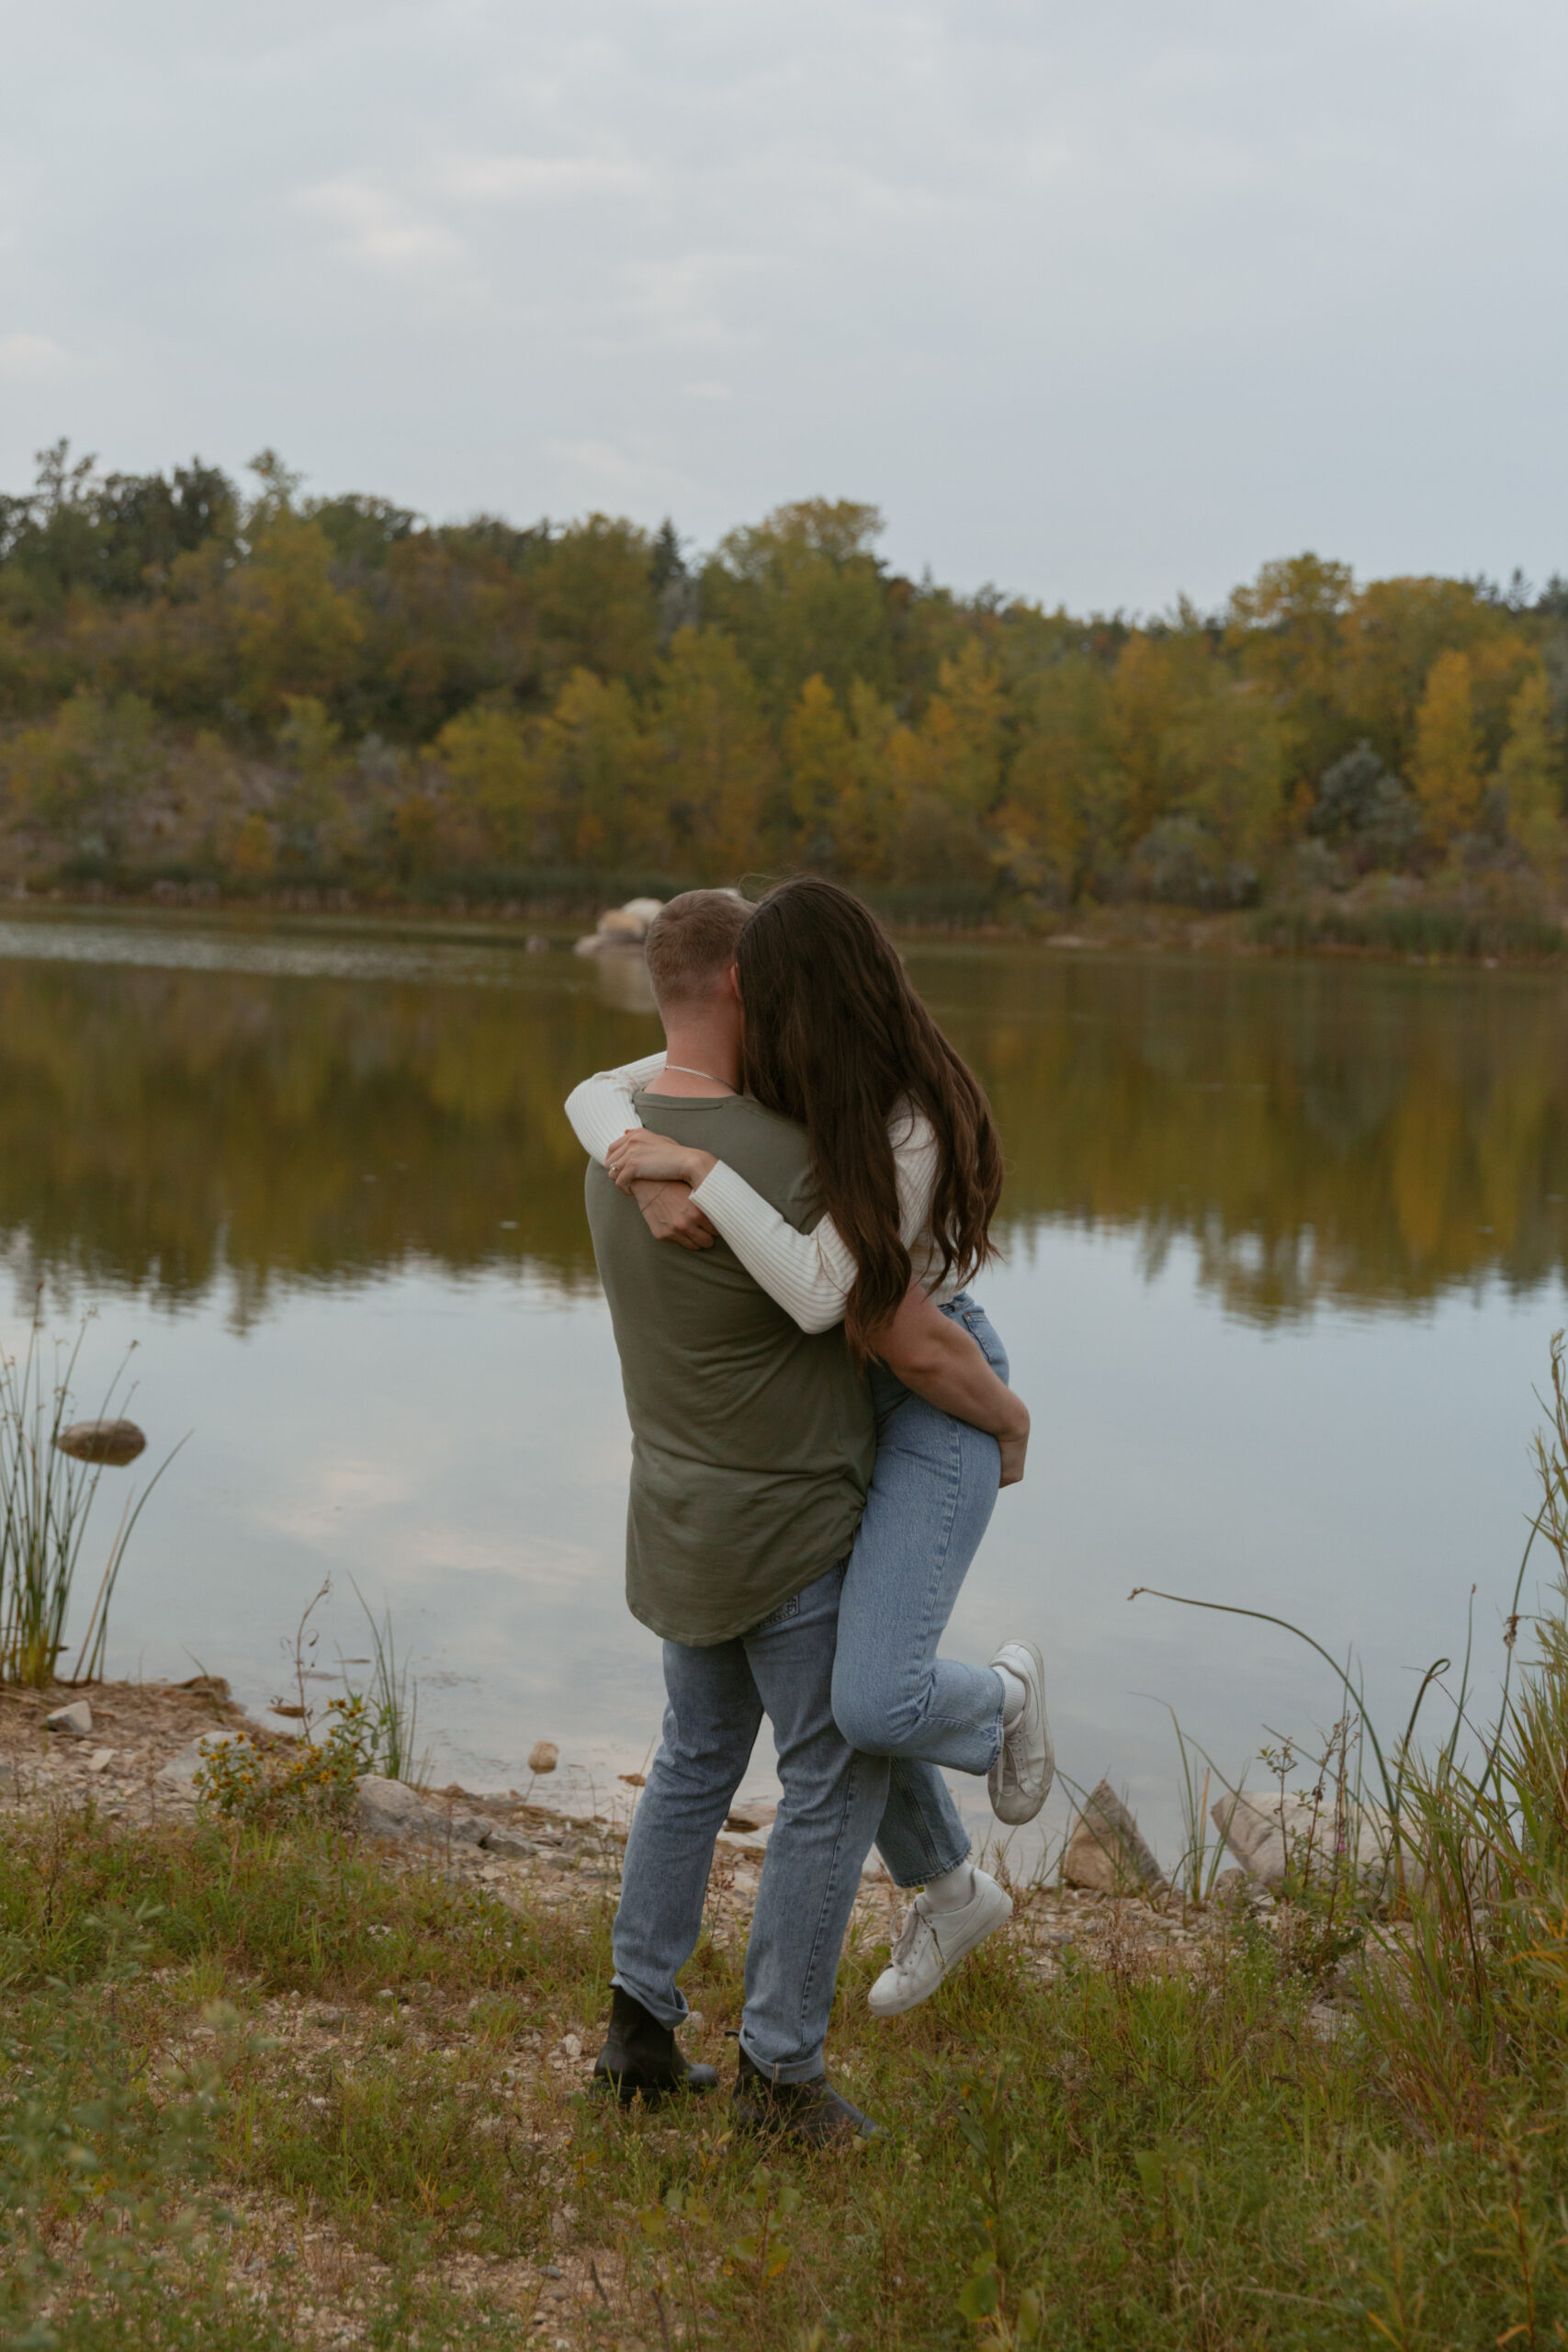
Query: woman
[907, 1165]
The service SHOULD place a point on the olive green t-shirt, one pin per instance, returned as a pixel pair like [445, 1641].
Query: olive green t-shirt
[752, 1441]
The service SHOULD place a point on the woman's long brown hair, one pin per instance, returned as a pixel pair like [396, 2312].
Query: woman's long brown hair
[836, 1038]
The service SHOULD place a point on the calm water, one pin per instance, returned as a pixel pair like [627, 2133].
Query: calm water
[1285, 1247]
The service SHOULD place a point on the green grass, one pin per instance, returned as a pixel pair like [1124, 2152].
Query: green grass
[1157, 2161]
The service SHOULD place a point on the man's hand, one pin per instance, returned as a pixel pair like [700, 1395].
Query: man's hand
[1013, 1450]
[670, 1217]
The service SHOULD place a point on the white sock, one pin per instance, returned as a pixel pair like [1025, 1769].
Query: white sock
[1014, 1692]
[952, 1891]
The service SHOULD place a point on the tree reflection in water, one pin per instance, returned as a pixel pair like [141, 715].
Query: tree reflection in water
[1357, 1132]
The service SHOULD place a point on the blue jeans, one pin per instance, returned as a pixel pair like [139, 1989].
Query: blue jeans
[931, 1496]
[831, 1803]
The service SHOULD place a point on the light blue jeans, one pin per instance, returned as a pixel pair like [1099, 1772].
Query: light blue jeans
[931, 1496]
[831, 1803]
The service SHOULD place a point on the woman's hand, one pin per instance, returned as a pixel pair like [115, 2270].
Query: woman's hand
[639, 1154]
[935, 1356]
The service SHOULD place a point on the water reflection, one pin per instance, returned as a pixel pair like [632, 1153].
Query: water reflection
[282, 1108]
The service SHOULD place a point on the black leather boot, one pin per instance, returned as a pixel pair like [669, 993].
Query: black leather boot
[812, 2113]
[639, 2059]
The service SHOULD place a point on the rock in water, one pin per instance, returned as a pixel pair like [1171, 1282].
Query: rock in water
[76, 1719]
[113, 1441]
[1106, 1851]
[543, 1756]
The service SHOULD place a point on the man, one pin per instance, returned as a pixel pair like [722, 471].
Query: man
[752, 1446]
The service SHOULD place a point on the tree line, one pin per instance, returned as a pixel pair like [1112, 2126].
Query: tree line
[254, 687]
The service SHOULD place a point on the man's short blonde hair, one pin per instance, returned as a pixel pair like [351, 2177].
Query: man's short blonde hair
[692, 941]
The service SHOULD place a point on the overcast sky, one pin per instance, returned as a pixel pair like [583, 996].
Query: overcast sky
[1099, 304]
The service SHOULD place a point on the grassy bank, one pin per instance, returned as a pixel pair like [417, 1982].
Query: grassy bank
[268, 2089]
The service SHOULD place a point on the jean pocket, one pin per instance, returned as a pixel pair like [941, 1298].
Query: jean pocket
[781, 1616]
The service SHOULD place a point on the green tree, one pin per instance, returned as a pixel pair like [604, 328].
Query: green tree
[1287, 630]
[1067, 822]
[298, 632]
[1530, 773]
[803, 596]
[82, 778]
[597, 606]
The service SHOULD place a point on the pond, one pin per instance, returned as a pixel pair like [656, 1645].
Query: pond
[1284, 1249]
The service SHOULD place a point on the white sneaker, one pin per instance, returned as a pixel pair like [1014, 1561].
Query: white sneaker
[1020, 1778]
[929, 1945]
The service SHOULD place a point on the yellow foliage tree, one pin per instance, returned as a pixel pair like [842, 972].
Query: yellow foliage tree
[1446, 768]
[711, 763]
[493, 778]
[588, 759]
[298, 634]
[843, 795]
[961, 733]
[1530, 773]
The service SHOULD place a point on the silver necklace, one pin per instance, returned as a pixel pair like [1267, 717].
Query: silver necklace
[687, 1071]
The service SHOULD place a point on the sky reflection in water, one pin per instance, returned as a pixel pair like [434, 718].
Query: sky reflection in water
[1284, 1251]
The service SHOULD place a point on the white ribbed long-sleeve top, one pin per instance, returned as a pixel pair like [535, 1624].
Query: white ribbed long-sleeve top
[809, 1274]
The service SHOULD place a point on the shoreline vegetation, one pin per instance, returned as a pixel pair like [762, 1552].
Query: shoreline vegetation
[273, 2077]
[213, 696]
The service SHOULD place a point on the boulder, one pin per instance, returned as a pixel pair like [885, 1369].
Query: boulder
[391, 1809]
[177, 1778]
[75, 1719]
[620, 927]
[113, 1441]
[1272, 1835]
[543, 1756]
[1106, 1852]
[509, 1844]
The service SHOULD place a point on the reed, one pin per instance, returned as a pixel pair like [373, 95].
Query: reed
[393, 1702]
[46, 1501]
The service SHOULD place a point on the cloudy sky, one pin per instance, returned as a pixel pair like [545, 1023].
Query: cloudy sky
[1097, 303]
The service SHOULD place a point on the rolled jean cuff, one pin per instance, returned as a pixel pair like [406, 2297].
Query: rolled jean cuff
[797, 2070]
[663, 2009]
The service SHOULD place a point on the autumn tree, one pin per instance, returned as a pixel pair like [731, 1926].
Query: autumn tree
[1529, 774]
[298, 632]
[1446, 766]
[712, 768]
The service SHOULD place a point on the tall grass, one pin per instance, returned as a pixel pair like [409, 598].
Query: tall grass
[46, 1500]
[393, 1702]
[1464, 1981]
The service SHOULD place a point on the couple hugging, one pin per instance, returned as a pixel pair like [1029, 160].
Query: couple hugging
[821, 1423]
